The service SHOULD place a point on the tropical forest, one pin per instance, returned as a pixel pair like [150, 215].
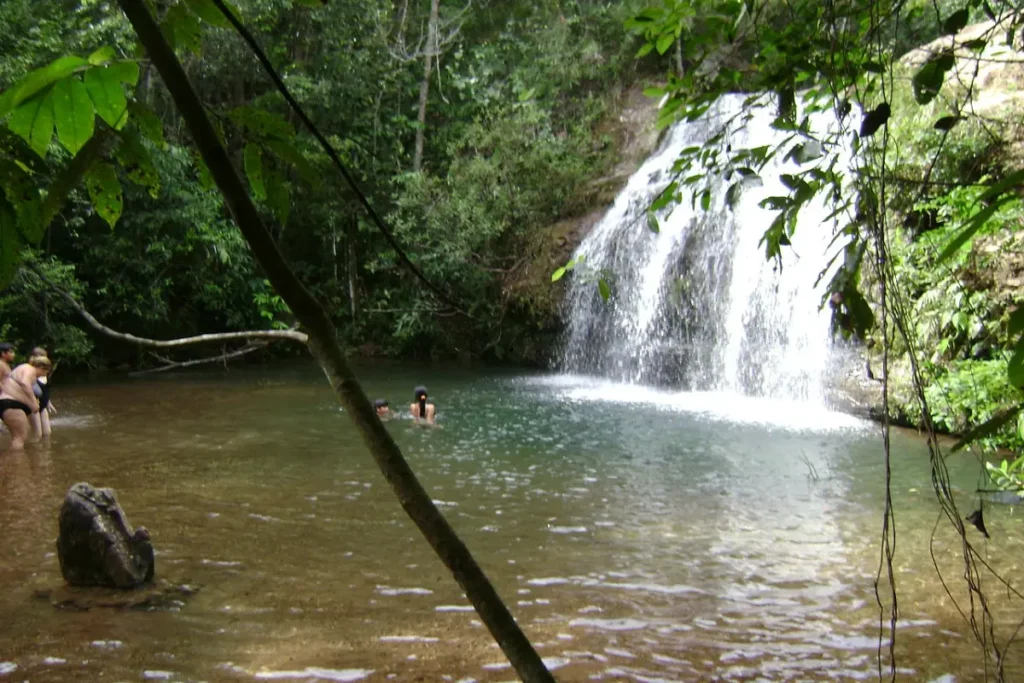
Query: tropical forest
[489, 340]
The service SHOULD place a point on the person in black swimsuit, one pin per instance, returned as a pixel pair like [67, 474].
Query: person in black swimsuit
[41, 389]
[17, 402]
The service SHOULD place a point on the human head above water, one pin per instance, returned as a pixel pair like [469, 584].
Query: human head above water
[381, 406]
[419, 393]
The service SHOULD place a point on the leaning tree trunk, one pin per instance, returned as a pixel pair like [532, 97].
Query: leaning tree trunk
[429, 55]
[323, 344]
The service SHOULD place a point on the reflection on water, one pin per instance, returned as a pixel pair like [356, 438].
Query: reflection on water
[636, 535]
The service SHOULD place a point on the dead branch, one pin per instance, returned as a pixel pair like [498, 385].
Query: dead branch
[246, 335]
[169, 364]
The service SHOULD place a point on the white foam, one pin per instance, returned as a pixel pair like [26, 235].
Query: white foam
[387, 590]
[340, 675]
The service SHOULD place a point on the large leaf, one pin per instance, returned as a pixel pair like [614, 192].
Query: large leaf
[33, 121]
[105, 191]
[288, 153]
[148, 123]
[73, 113]
[107, 95]
[929, 78]
[70, 177]
[278, 196]
[253, 160]
[126, 71]
[104, 55]
[210, 13]
[137, 163]
[22, 192]
[35, 81]
[10, 246]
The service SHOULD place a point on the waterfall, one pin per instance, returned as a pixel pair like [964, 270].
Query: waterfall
[696, 305]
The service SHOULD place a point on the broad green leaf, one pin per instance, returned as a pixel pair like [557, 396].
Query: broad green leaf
[989, 427]
[652, 222]
[558, 274]
[1015, 368]
[107, 95]
[22, 192]
[33, 121]
[104, 191]
[70, 177]
[1011, 181]
[148, 123]
[104, 55]
[278, 196]
[654, 92]
[261, 123]
[644, 50]
[252, 158]
[289, 154]
[10, 246]
[126, 71]
[705, 200]
[137, 163]
[929, 78]
[955, 22]
[210, 13]
[604, 289]
[1016, 325]
[73, 113]
[14, 147]
[182, 30]
[664, 42]
[37, 80]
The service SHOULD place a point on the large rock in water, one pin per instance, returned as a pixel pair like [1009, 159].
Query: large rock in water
[96, 546]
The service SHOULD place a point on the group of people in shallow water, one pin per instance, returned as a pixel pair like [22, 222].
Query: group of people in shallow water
[25, 394]
[422, 411]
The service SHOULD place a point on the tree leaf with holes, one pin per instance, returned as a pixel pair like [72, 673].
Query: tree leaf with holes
[928, 80]
[107, 95]
[33, 122]
[137, 163]
[105, 191]
[252, 159]
[73, 112]
[22, 192]
[37, 80]
[604, 289]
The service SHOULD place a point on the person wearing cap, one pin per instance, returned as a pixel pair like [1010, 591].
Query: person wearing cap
[422, 411]
[383, 411]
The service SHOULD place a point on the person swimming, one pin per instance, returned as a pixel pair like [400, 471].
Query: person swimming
[382, 409]
[422, 411]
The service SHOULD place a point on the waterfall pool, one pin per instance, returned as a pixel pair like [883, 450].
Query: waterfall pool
[637, 535]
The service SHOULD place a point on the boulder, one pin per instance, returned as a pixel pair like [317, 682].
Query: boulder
[96, 546]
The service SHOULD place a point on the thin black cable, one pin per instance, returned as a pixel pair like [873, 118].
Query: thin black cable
[329, 150]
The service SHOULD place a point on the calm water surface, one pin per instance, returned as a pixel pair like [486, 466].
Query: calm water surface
[637, 536]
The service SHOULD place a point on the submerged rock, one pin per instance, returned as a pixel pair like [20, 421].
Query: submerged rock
[96, 546]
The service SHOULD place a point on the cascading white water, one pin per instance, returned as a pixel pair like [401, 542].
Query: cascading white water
[696, 305]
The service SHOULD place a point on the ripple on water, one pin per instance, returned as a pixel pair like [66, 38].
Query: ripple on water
[389, 591]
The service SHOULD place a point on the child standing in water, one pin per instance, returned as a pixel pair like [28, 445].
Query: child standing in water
[422, 411]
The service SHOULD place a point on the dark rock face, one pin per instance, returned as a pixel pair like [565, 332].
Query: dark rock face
[96, 546]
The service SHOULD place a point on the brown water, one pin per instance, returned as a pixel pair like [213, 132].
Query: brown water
[636, 536]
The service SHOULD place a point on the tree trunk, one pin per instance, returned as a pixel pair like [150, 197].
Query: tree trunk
[323, 344]
[429, 55]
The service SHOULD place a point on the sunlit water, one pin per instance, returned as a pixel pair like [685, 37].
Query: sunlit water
[637, 535]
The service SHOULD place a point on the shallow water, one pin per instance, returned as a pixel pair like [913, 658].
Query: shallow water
[636, 535]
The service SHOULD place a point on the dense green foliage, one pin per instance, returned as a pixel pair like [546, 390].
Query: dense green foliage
[513, 131]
